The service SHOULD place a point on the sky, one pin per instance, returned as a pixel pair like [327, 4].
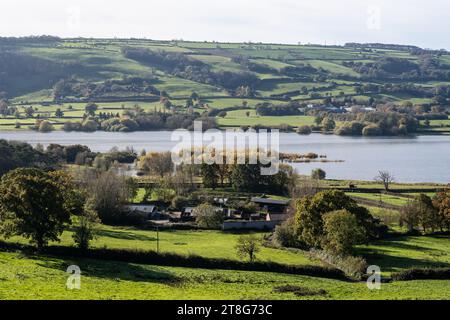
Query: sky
[416, 22]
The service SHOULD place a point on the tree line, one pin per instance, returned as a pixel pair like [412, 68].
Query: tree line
[72, 88]
[179, 65]
[426, 68]
[241, 177]
[139, 120]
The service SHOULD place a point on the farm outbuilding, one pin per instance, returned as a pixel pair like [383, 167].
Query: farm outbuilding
[272, 206]
[149, 211]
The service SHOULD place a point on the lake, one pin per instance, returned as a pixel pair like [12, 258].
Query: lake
[410, 159]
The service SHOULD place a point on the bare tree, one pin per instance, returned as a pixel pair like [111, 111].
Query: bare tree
[181, 181]
[386, 178]
[156, 163]
[109, 191]
[302, 186]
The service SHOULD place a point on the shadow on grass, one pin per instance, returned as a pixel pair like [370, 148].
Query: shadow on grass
[388, 245]
[112, 270]
[391, 263]
[384, 255]
[124, 235]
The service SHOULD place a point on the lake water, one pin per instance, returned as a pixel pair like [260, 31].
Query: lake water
[410, 159]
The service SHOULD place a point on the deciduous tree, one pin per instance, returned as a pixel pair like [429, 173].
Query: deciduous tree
[207, 216]
[247, 247]
[342, 231]
[155, 163]
[386, 178]
[36, 204]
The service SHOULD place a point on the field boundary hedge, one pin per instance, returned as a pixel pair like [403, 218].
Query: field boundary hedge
[422, 274]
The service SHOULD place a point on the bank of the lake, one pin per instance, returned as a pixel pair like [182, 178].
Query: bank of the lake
[411, 159]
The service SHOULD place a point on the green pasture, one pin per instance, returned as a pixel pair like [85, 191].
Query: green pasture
[239, 118]
[37, 277]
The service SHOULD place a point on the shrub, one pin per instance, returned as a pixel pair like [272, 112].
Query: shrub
[45, 126]
[85, 231]
[311, 155]
[207, 216]
[179, 202]
[306, 130]
[89, 126]
[285, 235]
[354, 267]
[422, 274]
[72, 126]
[328, 124]
[284, 127]
[318, 174]
[372, 130]
[353, 128]
[300, 291]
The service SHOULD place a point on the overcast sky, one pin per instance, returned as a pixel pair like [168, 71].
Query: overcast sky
[417, 22]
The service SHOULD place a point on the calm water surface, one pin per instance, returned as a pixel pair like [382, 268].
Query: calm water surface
[411, 159]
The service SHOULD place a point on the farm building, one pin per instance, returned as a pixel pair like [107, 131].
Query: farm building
[271, 206]
[149, 211]
[187, 213]
[276, 217]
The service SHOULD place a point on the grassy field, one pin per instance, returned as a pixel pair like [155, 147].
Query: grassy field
[332, 67]
[31, 276]
[239, 118]
[406, 252]
[438, 123]
[270, 89]
[376, 185]
[392, 254]
[383, 198]
[210, 244]
[39, 277]
[45, 278]
[389, 217]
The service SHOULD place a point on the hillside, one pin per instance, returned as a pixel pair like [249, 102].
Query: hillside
[49, 73]
[272, 71]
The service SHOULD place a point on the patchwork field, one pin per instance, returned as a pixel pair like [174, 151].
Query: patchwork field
[382, 198]
[241, 118]
[282, 74]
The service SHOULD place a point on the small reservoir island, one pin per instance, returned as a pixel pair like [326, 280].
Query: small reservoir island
[336, 184]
